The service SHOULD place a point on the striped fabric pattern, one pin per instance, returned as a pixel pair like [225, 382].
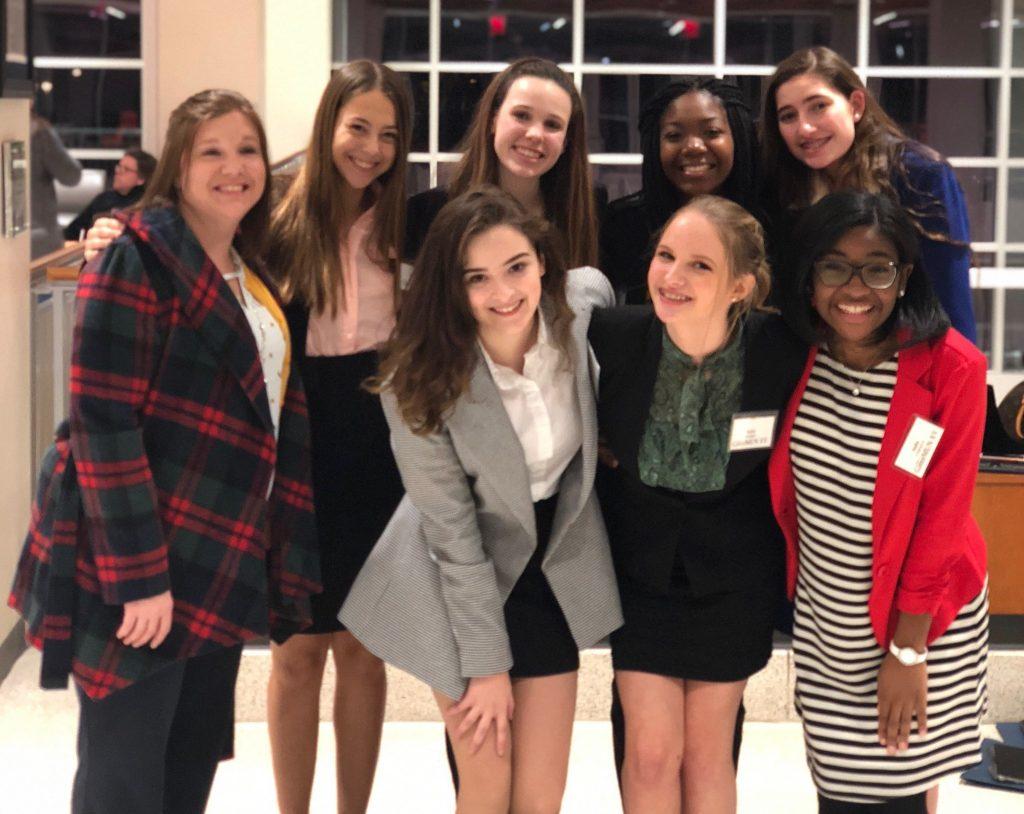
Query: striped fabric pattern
[835, 447]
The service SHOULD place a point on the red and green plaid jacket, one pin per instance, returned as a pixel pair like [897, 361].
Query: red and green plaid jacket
[161, 482]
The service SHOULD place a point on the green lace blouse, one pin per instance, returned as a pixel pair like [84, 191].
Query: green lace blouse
[686, 441]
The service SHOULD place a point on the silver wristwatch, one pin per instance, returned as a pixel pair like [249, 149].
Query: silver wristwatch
[908, 656]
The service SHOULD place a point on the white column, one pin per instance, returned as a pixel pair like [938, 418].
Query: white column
[297, 54]
[15, 382]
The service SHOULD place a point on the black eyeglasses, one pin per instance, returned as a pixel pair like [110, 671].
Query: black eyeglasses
[834, 273]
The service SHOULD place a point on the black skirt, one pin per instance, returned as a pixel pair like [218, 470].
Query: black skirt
[356, 485]
[714, 637]
[538, 634]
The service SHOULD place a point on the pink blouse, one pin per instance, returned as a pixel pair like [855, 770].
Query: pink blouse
[366, 310]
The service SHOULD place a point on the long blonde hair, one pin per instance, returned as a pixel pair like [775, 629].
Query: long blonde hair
[566, 188]
[303, 253]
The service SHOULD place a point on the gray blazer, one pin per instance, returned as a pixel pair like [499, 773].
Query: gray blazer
[430, 597]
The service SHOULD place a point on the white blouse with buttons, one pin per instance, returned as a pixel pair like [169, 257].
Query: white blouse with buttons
[544, 410]
[270, 340]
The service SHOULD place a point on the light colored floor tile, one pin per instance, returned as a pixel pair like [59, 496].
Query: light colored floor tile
[37, 762]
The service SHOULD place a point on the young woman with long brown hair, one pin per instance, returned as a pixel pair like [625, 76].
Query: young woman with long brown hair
[529, 138]
[823, 131]
[495, 570]
[334, 244]
[186, 470]
[333, 248]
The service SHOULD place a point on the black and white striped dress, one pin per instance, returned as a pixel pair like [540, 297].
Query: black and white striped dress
[834, 449]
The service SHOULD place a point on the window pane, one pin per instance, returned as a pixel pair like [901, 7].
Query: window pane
[419, 83]
[503, 30]
[382, 30]
[979, 185]
[646, 31]
[618, 181]
[1017, 117]
[1015, 208]
[1018, 34]
[86, 29]
[417, 178]
[91, 108]
[758, 34]
[459, 94]
[1013, 336]
[982, 298]
[444, 173]
[954, 32]
[613, 105]
[922, 108]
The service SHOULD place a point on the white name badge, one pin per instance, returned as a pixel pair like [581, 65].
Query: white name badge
[919, 446]
[752, 431]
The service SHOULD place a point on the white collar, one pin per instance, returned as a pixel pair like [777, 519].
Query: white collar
[541, 349]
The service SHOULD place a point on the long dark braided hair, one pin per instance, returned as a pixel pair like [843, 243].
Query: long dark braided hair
[661, 195]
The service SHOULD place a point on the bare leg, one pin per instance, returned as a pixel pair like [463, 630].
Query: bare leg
[542, 732]
[359, 694]
[293, 716]
[485, 780]
[709, 776]
[654, 708]
[931, 799]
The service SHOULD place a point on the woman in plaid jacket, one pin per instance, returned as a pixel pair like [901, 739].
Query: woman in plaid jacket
[183, 506]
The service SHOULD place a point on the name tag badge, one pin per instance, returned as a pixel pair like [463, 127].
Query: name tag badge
[752, 431]
[918, 447]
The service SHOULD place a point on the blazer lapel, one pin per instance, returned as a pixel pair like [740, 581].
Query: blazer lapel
[482, 423]
[764, 388]
[207, 302]
[909, 398]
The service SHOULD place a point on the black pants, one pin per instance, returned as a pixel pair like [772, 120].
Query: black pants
[154, 746]
[915, 804]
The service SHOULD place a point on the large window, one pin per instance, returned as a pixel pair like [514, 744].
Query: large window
[952, 74]
[88, 73]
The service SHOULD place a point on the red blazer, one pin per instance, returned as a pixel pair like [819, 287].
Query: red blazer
[929, 555]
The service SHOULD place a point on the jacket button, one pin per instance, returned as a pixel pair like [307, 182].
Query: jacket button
[432, 554]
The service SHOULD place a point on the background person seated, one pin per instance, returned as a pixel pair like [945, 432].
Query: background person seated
[131, 175]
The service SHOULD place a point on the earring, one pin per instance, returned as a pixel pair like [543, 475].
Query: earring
[903, 291]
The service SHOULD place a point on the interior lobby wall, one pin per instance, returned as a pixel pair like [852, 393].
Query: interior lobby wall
[15, 385]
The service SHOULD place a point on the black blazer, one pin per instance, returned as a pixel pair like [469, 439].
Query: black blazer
[721, 541]
[626, 244]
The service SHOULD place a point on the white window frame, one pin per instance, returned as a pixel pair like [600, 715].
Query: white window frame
[996, 279]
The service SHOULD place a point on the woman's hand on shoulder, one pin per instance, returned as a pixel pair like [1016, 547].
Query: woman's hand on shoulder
[902, 697]
[100, 235]
[488, 700]
[147, 621]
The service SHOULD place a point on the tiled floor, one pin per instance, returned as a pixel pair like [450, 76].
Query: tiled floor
[37, 761]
